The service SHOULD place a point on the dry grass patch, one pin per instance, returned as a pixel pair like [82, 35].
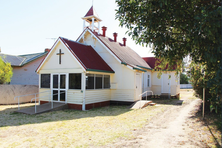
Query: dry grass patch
[71, 128]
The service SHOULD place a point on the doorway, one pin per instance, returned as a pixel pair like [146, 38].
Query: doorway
[138, 86]
[166, 83]
[59, 87]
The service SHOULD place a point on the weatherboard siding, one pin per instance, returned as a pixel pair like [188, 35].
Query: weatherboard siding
[126, 95]
[45, 94]
[97, 95]
[26, 74]
[74, 96]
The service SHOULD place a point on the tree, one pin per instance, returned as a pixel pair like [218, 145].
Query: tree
[175, 29]
[5, 72]
[199, 80]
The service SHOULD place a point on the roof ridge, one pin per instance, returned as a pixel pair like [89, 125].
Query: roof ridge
[31, 54]
[74, 41]
[22, 61]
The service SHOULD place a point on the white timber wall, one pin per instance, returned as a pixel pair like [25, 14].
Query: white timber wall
[175, 83]
[74, 96]
[45, 94]
[122, 82]
[157, 83]
[97, 95]
[26, 74]
[68, 62]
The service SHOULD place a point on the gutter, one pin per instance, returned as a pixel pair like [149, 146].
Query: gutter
[144, 67]
[96, 70]
[139, 69]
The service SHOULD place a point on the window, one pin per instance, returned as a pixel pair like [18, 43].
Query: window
[99, 81]
[89, 81]
[55, 81]
[45, 81]
[75, 81]
[148, 80]
[95, 81]
[63, 81]
[106, 81]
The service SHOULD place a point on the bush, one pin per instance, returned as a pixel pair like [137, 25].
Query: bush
[5, 72]
[199, 80]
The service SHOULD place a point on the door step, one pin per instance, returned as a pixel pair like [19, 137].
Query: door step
[141, 104]
[152, 104]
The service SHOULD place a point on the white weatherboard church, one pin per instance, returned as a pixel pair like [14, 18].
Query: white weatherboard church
[94, 70]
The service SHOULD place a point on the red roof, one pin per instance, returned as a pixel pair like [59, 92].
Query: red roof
[91, 12]
[124, 53]
[152, 60]
[87, 56]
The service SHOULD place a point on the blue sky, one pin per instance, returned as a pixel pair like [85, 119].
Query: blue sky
[27, 26]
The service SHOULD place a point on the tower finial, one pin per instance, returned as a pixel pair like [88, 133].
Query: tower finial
[92, 2]
[92, 18]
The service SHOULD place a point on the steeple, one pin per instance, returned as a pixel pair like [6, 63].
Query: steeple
[92, 17]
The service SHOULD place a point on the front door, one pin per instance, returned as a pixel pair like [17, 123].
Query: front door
[59, 87]
[165, 83]
[138, 86]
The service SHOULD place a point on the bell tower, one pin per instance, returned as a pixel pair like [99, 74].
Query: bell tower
[92, 19]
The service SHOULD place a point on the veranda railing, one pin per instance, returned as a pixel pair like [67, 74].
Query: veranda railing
[35, 94]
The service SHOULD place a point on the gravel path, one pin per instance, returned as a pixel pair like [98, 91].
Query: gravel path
[170, 129]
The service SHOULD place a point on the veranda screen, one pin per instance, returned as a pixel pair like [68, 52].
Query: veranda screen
[75, 80]
[96, 81]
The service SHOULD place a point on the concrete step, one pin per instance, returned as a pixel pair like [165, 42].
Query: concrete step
[152, 104]
[43, 108]
[140, 104]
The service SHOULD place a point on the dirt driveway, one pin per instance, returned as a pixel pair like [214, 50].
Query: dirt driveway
[175, 127]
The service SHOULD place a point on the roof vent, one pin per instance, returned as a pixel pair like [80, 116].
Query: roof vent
[104, 31]
[124, 41]
[115, 36]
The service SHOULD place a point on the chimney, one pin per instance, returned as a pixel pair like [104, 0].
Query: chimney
[104, 31]
[124, 41]
[115, 35]
[47, 50]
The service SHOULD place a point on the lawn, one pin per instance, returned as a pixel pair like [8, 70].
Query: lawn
[72, 128]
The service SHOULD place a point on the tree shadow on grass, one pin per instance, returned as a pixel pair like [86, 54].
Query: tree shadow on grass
[8, 116]
[211, 121]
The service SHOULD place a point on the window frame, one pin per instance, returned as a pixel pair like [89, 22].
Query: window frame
[103, 83]
[93, 82]
[80, 81]
[40, 82]
[148, 80]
